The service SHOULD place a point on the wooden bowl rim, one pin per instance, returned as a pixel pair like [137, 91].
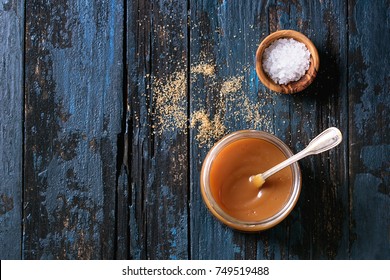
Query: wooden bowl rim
[292, 87]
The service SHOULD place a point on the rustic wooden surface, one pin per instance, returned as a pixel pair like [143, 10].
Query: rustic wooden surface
[73, 111]
[11, 129]
[87, 172]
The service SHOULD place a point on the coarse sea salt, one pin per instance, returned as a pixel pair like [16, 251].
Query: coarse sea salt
[286, 60]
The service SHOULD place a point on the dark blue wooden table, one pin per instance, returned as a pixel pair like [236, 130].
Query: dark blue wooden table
[108, 108]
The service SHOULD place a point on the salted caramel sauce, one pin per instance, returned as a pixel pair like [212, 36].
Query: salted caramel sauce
[230, 185]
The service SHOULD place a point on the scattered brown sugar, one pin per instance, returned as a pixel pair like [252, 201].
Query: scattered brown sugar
[205, 69]
[231, 104]
[207, 129]
[231, 85]
[170, 101]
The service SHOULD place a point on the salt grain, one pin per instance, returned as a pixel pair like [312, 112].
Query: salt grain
[286, 60]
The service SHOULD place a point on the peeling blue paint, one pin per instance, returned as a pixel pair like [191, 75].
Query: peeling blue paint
[369, 219]
[376, 157]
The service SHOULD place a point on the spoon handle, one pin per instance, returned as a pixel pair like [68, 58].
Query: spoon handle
[326, 140]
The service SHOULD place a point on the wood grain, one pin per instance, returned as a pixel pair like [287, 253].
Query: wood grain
[11, 128]
[157, 59]
[223, 35]
[73, 117]
[322, 209]
[369, 121]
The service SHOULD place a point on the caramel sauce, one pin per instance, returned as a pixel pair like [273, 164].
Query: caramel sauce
[230, 186]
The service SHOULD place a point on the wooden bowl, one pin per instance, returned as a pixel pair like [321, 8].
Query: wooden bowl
[291, 87]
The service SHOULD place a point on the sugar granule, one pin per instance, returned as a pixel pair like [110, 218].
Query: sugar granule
[208, 128]
[286, 60]
[170, 99]
[232, 106]
[206, 69]
[231, 85]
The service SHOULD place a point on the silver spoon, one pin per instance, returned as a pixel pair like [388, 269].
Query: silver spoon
[326, 140]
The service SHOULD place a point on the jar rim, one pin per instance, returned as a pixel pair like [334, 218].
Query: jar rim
[217, 211]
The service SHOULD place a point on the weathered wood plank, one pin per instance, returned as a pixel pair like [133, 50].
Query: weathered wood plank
[227, 35]
[321, 223]
[138, 51]
[73, 118]
[11, 127]
[157, 63]
[223, 43]
[369, 144]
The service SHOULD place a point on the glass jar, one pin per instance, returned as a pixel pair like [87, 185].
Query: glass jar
[215, 205]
